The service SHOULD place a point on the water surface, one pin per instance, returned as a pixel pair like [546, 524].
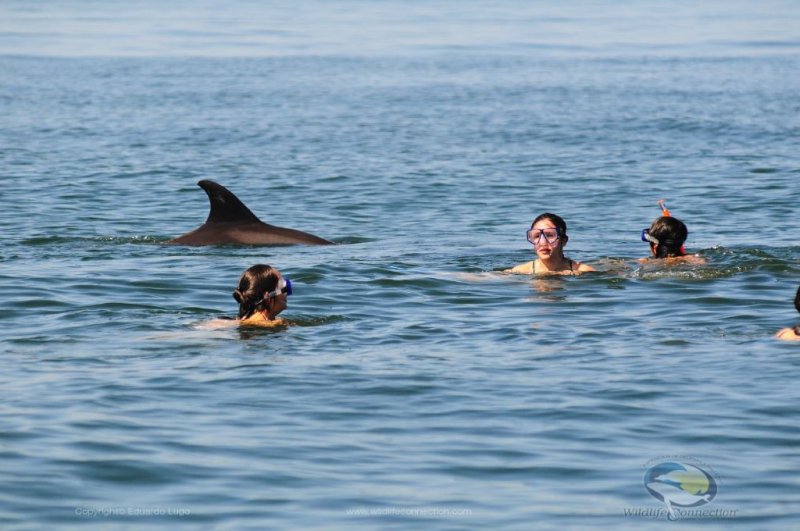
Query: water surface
[417, 385]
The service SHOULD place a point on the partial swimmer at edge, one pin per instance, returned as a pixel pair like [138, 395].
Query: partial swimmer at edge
[548, 234]
[793, 333]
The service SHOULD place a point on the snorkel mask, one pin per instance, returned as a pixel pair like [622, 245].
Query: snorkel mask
[552, 235]
[647, 238]
[284, 286]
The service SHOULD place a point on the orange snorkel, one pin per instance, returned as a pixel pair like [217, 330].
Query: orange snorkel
[664, 211]
[666, 214]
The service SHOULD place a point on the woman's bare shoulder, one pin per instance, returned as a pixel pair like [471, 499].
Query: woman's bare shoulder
[787, 334]
[694, 259]
[263, 322]
[521, 269]
[227, 322]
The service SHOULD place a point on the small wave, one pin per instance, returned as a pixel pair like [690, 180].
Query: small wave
[768, 44]
[308, 320]
[62, 240]
[350, 240]
[721, 262]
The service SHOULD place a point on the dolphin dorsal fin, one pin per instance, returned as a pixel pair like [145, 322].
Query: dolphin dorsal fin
[225, 206]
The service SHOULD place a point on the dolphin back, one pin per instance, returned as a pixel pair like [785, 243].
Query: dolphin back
[230, 222]
[225, 207]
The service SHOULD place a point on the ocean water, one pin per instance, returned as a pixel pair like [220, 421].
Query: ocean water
[417, 386]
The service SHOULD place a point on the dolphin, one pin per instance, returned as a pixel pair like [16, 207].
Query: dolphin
[674, 495]
[230, 222]
[681, 489]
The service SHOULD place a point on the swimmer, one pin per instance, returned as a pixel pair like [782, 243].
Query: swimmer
[791, 334]
[666, 237]
[261, 295]
[548, 234]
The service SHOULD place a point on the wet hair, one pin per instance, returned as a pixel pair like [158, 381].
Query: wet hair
[797, 307]
[671, 234]
[255, 282]
[797, 300]
[557, 220]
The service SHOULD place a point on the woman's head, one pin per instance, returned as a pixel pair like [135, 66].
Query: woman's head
[548, 234]
[667, 235]
[255, 291]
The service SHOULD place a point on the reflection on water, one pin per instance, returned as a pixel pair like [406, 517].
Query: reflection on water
[548, 285]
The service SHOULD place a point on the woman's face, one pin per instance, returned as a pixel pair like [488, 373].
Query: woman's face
[546, 245]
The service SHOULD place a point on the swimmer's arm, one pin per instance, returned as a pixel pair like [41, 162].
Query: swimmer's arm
[214, 324]
[521, 269]
[584, 268]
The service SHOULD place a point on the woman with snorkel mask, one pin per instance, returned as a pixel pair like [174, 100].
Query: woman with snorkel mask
[262, 295]
[666, 237]
[548, 234]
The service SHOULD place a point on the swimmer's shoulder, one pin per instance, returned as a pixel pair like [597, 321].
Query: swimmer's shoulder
[694, 259]
[529, 268]
[787, 334]
[521, 269]
[262, 322]
[231, 322]
[691, 259]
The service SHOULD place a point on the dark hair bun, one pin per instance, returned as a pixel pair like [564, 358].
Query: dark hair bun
[238, 296]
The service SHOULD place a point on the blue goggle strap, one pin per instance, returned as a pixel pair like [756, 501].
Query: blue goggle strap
[285, 286]
[646, 237]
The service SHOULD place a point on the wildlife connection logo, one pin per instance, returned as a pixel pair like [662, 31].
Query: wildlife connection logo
[685, 486]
